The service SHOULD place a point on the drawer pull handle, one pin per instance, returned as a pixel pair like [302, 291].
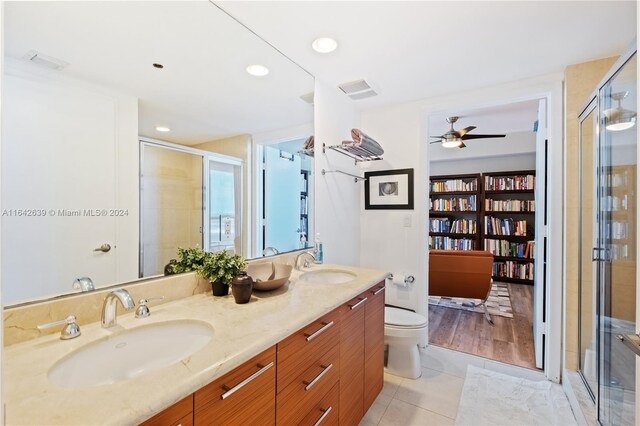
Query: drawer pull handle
[379, 290]
[325, 413]
[325, 326]
[364, 299]
[236, 388]
[318, 377]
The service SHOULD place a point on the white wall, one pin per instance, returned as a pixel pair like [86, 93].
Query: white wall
[337, 196]
[403, 132]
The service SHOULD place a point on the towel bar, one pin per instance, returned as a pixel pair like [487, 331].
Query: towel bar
[355, 177]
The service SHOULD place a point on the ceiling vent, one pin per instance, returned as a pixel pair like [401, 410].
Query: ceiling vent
[357, 90]
[45, 60]
[308, 97]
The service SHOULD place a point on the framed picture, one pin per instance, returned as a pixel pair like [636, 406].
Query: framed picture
[388, 189]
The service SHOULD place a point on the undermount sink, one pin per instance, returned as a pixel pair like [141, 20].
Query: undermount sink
[328, 276]
[131, 353]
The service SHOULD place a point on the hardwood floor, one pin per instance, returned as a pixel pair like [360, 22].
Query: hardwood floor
[510, 340]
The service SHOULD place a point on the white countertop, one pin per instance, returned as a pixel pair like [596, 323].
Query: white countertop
[240, 332]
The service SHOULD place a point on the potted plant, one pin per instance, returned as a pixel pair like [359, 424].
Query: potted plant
[220, 268]
[189, 260]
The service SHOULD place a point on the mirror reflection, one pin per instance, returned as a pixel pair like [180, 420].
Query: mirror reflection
[130, 129]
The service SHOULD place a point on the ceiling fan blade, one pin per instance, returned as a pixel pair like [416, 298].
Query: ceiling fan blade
[462, 145]
[432, 142]
[467, 137]
[439, 137]
[466, 130]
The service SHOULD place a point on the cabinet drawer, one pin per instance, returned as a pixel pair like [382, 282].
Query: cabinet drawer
[325, 412]
[178, 413]
[298, 351]
[244, 396]
[306, 389]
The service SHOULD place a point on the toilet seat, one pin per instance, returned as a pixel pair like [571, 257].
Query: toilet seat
[402, 318]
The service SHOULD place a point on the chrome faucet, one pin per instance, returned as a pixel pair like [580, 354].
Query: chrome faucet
[306, 263]
[110, 305]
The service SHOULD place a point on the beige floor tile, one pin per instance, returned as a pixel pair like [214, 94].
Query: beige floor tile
[391, 384]
[435, 391]
[376, 411]
[403, 414]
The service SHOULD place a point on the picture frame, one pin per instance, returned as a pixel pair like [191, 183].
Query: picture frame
[388, 190]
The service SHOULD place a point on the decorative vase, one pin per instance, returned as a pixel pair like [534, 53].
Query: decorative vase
[242, 287]
[219, 289]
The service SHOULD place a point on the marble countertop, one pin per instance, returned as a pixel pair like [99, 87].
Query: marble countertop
[240, 332]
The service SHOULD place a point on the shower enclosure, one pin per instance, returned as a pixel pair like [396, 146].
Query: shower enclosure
[608, 342]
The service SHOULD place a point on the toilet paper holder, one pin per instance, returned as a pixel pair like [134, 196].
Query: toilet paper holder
[409, 279]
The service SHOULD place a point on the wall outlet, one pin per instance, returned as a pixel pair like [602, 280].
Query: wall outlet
[406, 221]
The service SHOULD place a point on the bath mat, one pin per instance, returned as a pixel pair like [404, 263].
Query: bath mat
[498, 302]
[491, 398]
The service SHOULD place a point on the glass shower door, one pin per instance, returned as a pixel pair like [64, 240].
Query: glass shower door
[617, 257]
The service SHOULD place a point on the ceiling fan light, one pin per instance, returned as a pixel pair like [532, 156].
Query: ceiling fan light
[451, 143]
[619, 119]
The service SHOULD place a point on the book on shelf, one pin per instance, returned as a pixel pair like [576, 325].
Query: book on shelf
[459, 204]
[510, 249]
[454, 185]
[447, 243]
[511, 269]
[507, 226]
[509, 205]
[439, 225]
[509, 183]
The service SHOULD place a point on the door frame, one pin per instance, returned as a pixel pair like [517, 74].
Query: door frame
[549, 88]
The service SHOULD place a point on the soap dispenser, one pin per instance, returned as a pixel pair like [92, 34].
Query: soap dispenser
[317, 251]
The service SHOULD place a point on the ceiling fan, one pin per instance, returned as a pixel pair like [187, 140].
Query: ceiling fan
[454, 138]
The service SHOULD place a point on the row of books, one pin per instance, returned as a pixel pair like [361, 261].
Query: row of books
[509, 183]
[507, 226]
[510, 249]
[304, 209]
[510, 269]
[509, 205]
[446, 243]
[454, 185]
[458, 226]
[460, 204]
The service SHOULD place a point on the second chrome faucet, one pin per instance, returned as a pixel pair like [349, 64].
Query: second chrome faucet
[109, 308]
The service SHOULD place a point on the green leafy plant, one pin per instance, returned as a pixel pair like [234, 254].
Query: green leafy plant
[189, 259]
[221, 266]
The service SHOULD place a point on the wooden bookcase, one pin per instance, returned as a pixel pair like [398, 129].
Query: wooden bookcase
[450, 190]
[514, 195]
[501, 198]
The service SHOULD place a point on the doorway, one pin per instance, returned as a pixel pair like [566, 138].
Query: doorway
[490, 195]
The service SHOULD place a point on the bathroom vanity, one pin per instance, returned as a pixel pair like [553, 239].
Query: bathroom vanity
[307, 352]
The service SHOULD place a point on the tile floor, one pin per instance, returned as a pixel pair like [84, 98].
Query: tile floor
[430, 400]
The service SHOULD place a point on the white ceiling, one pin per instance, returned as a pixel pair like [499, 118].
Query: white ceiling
[203, 93]
[416, 50]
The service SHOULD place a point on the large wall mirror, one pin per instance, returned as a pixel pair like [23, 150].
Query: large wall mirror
[130, 129]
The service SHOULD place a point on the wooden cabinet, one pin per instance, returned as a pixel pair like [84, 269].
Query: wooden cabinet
[327, 373]
[244, 396]
[373, 344]
[352, 360]
[179, 414]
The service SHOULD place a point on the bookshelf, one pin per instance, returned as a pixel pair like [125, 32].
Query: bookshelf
[304, 204]
[454, 212]
[502, 207]
[508, 224]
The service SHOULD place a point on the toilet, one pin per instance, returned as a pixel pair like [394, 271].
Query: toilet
[403, 331]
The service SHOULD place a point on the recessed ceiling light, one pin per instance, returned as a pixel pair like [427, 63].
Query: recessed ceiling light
[163, 129]
[324, 45]
[258, 70]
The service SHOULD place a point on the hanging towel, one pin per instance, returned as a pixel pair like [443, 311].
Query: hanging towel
[308, 144]
[365, 143]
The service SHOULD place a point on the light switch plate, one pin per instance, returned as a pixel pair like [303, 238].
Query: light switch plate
[406, 221]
